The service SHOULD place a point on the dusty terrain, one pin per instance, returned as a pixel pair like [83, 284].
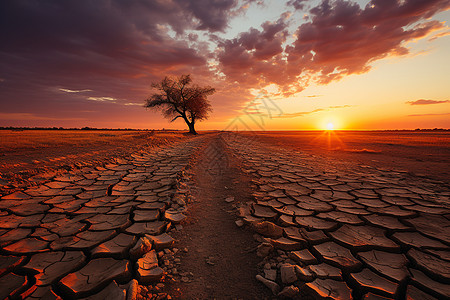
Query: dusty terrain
[32, 156]
[229, 216]
[218, 252]
[425, 153]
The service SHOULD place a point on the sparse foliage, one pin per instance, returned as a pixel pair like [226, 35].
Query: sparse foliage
[179, 98]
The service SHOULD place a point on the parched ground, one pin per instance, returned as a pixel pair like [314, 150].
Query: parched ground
[227, 216]
[421, 153]
[32, 157]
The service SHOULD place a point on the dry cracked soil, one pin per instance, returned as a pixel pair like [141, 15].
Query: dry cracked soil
[226, 216]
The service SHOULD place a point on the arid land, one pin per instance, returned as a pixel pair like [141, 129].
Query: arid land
[28, 157]
[156, 215]
[422, 153]
[40, 153]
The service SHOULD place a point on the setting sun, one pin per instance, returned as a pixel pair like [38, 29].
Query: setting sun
[330, 126]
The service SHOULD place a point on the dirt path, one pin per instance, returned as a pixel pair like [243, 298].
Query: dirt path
[218, 251]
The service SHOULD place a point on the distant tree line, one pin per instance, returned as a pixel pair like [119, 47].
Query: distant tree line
[417, 129]
[83, 128]
[434, 129]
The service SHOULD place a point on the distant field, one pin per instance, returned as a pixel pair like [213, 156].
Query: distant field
[32, 155]
[18, 140]
[28, 153]
[423, 153]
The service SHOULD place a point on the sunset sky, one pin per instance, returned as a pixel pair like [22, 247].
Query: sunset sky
[276, 65]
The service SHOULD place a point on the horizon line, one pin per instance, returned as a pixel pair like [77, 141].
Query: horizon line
[87, 128]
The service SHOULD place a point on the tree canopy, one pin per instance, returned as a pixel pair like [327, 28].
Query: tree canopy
[178, 97]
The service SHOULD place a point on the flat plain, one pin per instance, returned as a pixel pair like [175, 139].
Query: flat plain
[301, 215]
[424, 153]
[39, 154]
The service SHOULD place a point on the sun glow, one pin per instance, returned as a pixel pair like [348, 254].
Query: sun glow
[330, 126]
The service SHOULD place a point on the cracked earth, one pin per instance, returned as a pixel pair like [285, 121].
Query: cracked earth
[227, 216]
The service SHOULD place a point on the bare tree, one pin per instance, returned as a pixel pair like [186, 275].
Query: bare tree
[179, 98]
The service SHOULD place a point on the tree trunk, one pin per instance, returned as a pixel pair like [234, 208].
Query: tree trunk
[191, 127]
[189, 124]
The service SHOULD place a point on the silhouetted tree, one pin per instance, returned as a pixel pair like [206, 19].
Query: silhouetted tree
[179, 98]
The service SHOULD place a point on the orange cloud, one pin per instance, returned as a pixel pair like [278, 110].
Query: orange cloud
[303, 113]
[426, 102]
[426, 115]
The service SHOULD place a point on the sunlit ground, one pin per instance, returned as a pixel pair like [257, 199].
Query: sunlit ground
[330, 138]
[424, 152]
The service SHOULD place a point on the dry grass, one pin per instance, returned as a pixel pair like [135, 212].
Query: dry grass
[12, 140]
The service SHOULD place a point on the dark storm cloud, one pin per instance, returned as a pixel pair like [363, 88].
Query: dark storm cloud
[112, 47]
[133, 32]
[254, 53]
[212, 14]
[297, 4]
